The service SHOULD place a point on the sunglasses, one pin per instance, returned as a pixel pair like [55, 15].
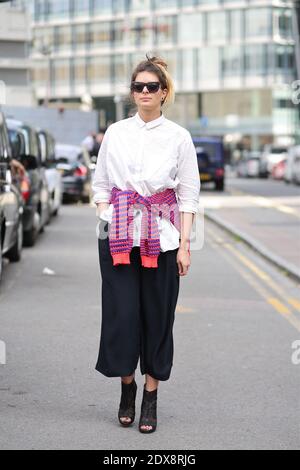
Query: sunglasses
[152, 87]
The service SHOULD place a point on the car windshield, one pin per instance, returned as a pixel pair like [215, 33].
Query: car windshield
[278, 150]
[67, 154]
[207, 151]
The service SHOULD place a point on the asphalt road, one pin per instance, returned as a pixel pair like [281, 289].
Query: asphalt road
[233, 383]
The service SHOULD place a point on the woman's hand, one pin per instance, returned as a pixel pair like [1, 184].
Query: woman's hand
[101, 206]
[183, 260]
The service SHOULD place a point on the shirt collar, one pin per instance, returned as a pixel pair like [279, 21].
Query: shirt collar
[150, 124]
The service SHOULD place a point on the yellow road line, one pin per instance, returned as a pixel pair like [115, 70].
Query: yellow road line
[278, 306]
[295, 303]
[265, 202]
[287, 210]
[265, 277]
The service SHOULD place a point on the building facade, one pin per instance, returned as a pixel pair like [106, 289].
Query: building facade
[15, 63]
[233, 61]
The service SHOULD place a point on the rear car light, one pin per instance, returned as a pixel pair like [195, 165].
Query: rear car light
[25, 188]
[80, 171]
[219, 172]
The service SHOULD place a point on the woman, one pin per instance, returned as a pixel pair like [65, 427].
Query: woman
[146, 188]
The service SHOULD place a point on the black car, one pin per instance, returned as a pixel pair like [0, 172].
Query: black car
[211, 160]
[11, 202]
[75, 165]
[37, 207]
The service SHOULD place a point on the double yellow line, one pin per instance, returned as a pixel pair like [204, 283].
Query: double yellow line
[267, 202]
[269, 289]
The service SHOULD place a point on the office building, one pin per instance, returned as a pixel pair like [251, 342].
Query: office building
[15, 63]
[233, 61]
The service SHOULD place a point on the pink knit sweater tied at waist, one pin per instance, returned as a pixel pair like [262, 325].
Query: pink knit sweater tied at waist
[163, 204]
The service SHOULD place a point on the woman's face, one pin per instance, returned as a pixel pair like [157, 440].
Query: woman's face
[146, 100]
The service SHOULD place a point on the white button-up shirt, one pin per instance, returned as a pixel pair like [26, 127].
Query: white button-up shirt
[148, 157]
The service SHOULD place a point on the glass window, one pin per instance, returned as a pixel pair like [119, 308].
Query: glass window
[159, 4]
[119, 6]
[100, 34]
[81, 7]
[188, 69]
[80, 36]
[145, 31]
[61, 69]
[190, 28]
[284, 59]
[236, 24]
[58, 9]
[63, 37]
[283, 26]
[79, 70]
[258, 22]
[118, 33]
[40, 10]
[40, 72]
[165, 29]
[119, 75]
[216, 26]
[208, 63]
[102, 7]
[231, 63]
[99, 69]
[131, 31]
[139, 5]
[205, 2]
[255, 59]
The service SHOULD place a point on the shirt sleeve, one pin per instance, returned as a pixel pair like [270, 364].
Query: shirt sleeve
[100, 185]
[188, 189]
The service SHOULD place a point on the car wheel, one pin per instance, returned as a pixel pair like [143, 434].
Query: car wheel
[219, 185]
[85, 199]
[14, 254]
[30, 236]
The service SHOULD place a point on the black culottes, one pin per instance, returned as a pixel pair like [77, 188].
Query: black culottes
[138, 312]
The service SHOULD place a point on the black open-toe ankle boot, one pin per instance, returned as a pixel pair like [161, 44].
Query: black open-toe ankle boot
[148, 411]
[127, 403]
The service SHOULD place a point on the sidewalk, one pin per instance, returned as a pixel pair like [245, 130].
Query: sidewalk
[271, 226]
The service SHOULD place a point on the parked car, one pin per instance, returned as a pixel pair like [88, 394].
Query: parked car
[36, 210]
[211, 160]
[292, 165]
[278, 170]
[11, 203]
[248, 165]
[296, 169]
[75, 166]
[53, 176]
[271, 155]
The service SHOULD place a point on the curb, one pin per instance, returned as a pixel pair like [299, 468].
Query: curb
[290, 269]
